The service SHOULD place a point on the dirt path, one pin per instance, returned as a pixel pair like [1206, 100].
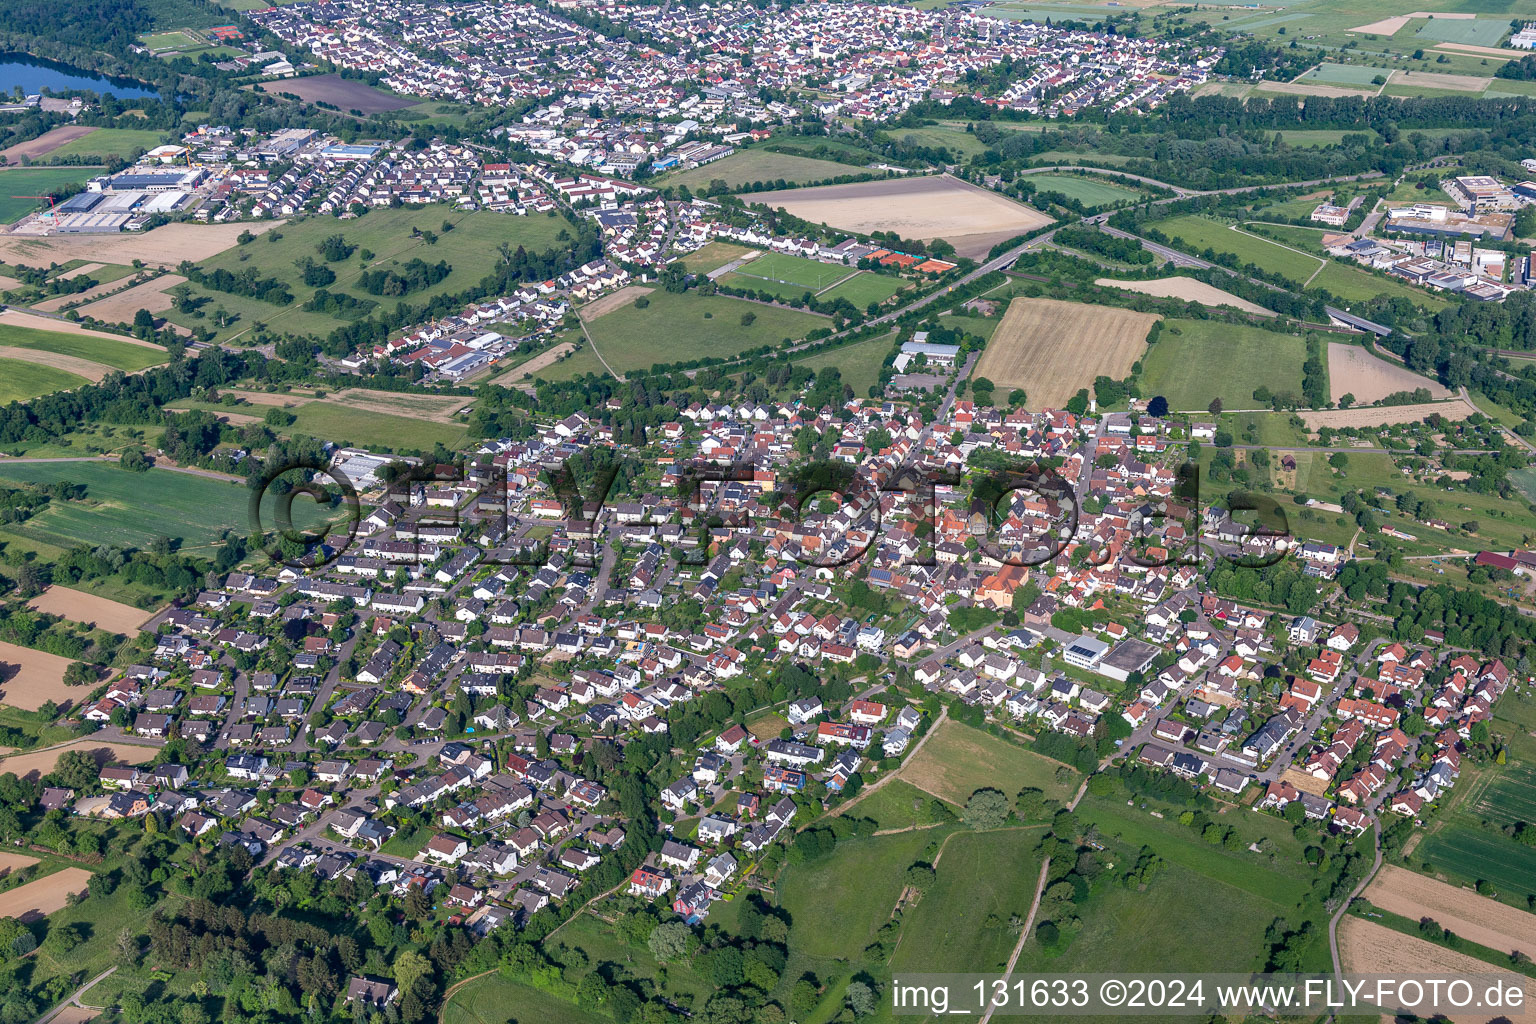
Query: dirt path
[74, 1000]
[1034, 907]
[588, 335]
[531, 368]
[943, 714]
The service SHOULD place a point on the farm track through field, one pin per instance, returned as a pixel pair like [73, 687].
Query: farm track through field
[1034, 907]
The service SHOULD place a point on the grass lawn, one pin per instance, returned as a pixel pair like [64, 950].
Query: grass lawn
[168, 41]
[120, 355]
[866, 287]
[984, 880]
[1353, 284]
[1219, 927]
[838, 903]
[1309, 239]
[714, 256]
[957, 760]
[105, 142]
[957, 140]
[676, 327]
[980, 326]
[746, 166]
[21, 380]
[859, 363]
[16, 184]
[346, 426]
[1274, 429]
[1201, 233]
[1278, 875]
[132, 509]
[598, 940]
[1091, 192]
[1319, 137]
[781, 268]
[1206, 360]
[897, 804]
[497, 1000]
[408, 843]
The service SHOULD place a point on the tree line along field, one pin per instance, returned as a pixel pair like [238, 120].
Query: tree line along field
[1195, 361]
[679, 326]
[1297, 255]
[1091, 192]
[470, 248]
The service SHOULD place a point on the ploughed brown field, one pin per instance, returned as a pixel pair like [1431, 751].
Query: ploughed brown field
[1051, 348]
[970, 218]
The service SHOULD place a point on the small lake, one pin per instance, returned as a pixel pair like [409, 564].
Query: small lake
[33, 74]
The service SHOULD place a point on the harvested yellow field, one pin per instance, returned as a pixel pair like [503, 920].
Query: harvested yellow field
[530, 369]
[1380, 415]
[120, 308]
[419, 407]
[45, 143]
[78, 606]
[1476, 918]
[1370, 378]
[44, 896]
[41, 762]
[86, 268]
[1385, 27]
[164, 246]
[971, 218]
[1188, 289]
[1051, 348]
[613, 300]
[11, 861]
[1438, 80]
[29, 679]
[1481, 51]
[1366, 947]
